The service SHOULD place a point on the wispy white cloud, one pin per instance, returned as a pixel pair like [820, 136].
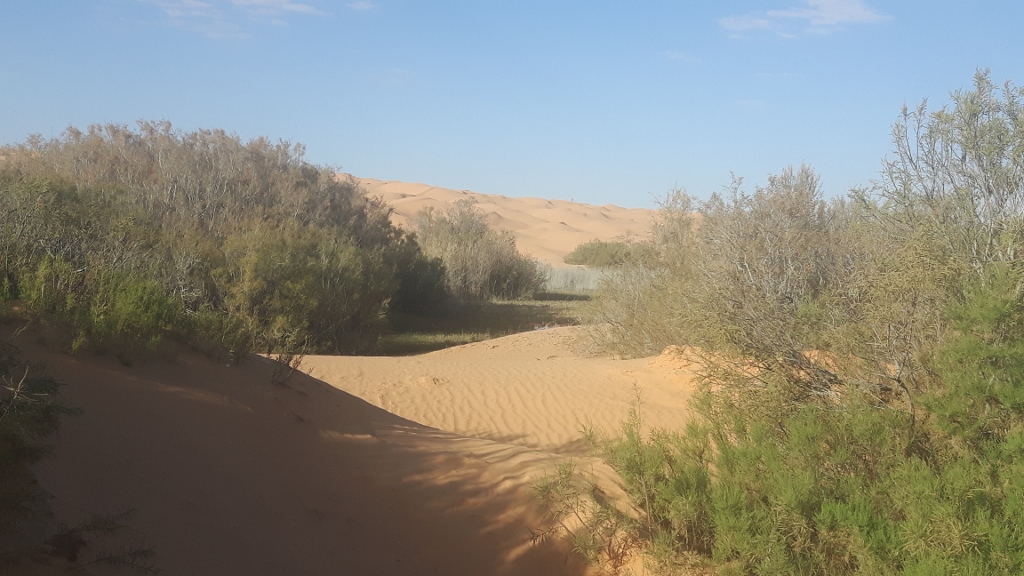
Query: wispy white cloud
[186, 8]
[227, 18]
[361, 5]
[205, 18]
[274, 7]
[746, 22]
[814, 16]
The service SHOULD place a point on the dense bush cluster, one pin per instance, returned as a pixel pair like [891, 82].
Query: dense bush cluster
[600, 254]
[862, 408]
[127, 234]
[480, 262]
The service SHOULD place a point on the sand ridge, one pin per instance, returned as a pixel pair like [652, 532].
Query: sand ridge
[416, 465]
[533, 389]
[544, 229]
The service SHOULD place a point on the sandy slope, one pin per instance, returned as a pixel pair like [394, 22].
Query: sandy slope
[231, 474]
[545, 229]
[532, 389]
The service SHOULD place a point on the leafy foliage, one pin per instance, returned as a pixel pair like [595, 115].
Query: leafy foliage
[479, 261]
[861, 409]
[127, 235]
[30, 413]
[599, 254]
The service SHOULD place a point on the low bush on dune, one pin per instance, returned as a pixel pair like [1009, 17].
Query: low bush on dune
[30, 413]
[861, 408]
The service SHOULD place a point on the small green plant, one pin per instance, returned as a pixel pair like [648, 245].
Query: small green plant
[30, 413]
[582, 514]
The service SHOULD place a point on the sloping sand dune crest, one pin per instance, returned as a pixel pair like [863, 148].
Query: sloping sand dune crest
[544, 229]
[418, 465]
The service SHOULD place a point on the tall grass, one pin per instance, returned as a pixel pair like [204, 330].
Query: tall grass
[576, 280]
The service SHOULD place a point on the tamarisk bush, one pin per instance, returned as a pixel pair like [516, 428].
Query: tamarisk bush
[130, 234]
[861, 405]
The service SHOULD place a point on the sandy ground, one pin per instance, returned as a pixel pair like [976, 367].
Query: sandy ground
[544, 229]
[357, 466]
[536, 389]
[415, 465]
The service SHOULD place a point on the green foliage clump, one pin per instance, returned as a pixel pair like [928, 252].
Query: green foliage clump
[599, 254]
[479, 261]
[854, 486]
[129, 235]
[861, 409]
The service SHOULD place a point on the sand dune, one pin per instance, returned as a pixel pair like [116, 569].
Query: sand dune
[530, 389]
[418, 465]
[544, 229]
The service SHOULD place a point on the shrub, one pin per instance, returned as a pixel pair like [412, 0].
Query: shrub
[29, 414]
[572, 281]
[599, 254]
[130, 313]
[860, 410]
[127, 234]
[957, 173]
[858, 487]
[479, 262]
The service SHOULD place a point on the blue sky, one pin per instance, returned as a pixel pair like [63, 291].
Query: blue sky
[600, 102]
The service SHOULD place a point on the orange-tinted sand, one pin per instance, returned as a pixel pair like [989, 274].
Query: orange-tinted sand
[359, 465]
[231, 474]
[544, 229]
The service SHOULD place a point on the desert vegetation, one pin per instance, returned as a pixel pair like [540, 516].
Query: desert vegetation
[861, 408]
[30, 413]
[124, 238]
[600, 254]
[480, 262]
[127, 235]
[127, 239]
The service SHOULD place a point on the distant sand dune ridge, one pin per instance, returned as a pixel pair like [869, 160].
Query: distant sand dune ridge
[544, 229]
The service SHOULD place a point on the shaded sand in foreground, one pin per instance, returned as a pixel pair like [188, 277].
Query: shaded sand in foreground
[231, 474]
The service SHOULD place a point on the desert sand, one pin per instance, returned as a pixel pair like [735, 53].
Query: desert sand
[415, 465]
[357, 465]
[544, 229]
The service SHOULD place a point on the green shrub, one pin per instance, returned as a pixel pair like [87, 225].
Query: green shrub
[48, 289]
[127, 235]
[599, 254]
[298, 288]
[479, 262]
[129, 313]
[861, 409]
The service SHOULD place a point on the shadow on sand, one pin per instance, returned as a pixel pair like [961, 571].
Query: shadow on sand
[231, 474]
